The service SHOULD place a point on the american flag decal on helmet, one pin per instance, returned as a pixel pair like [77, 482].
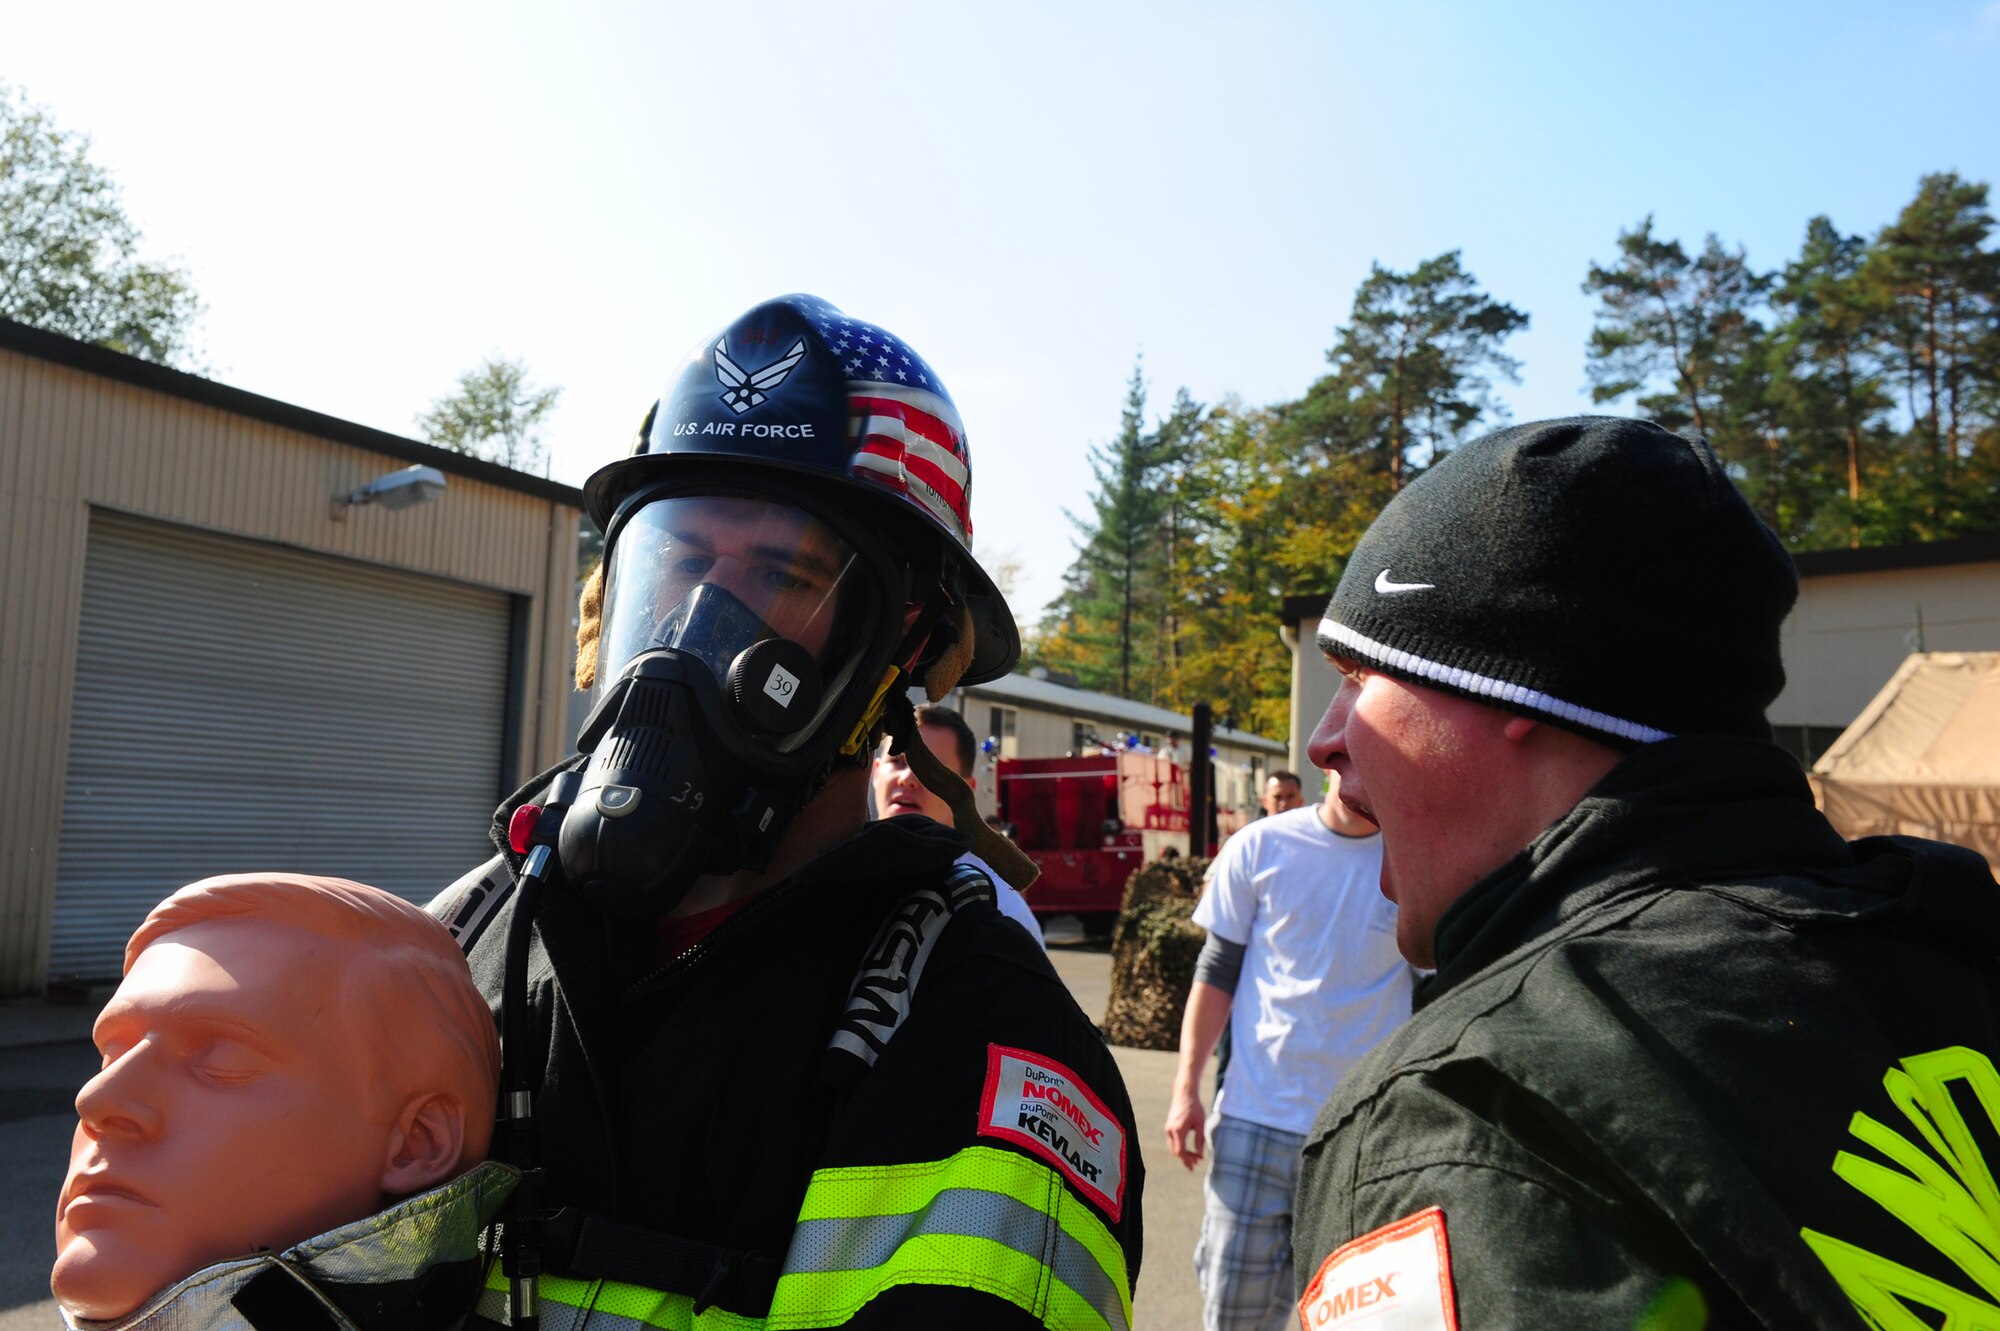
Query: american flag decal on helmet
[906, 434]
[905, 430]
[911, 441]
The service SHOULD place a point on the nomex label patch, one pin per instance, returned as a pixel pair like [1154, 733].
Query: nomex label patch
[1396, 1278]
[1037, 1103]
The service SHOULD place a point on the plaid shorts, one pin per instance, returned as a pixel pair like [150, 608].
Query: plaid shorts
[1243, 1259]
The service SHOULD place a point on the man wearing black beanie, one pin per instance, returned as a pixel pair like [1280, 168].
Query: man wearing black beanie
[1689, 1058]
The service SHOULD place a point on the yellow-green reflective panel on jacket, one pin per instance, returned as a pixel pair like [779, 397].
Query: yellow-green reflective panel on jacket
[1943, 1189]
[606, 1305]
[984, 1219]
[1679, 1306]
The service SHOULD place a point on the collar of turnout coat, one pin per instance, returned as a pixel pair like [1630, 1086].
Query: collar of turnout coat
[413, 1267]
[1720, 813]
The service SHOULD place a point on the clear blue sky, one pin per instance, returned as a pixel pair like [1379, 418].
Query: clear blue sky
[372, 197]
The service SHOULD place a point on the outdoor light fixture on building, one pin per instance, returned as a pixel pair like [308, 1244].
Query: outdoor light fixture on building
[396, 490]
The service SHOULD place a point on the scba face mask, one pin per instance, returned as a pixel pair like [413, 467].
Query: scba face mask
[743, 637]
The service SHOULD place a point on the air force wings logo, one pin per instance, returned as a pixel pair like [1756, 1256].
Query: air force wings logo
[748, 389]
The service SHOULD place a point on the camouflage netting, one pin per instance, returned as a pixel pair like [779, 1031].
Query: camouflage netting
[1153, 949]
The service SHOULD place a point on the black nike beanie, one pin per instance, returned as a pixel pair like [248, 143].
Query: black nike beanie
[1597, 573]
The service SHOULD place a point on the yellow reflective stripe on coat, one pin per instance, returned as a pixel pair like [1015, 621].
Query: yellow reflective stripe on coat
[984, 1219]
[607, 1305]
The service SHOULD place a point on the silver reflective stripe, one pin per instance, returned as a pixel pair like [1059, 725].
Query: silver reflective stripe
[968, 884]
[864, 1243]
[468, 904]
[556, 1316]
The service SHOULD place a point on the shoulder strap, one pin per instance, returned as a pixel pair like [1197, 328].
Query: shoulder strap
[469, 905]
[879, 1001]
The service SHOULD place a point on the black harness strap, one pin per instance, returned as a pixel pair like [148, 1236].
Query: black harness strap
[278, 1299]
[584, 1246]
[884, 989]
[590, 1247]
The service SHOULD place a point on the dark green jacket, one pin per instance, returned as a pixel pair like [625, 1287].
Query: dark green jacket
[1690, 1048]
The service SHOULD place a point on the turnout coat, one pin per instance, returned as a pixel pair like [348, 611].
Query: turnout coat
[982, 1172]
[1689, 1056]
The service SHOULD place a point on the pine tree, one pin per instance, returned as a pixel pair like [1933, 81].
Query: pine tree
[1097, 629]
[1831, 390]
[1940, 286]
[1417, 359]
[1680, 327]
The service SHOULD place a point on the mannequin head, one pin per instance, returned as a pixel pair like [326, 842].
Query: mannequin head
[285, 1054]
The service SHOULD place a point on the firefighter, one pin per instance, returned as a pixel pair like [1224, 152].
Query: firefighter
[792, 1067]
[1689, 1058]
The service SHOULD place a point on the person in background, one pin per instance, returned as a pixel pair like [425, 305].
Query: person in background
[1298, 927]
[1282, 793]
[898, 793]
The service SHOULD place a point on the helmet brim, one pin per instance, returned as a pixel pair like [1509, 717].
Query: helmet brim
[996, 640]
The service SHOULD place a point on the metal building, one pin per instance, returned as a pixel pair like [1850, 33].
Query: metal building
[1033, 716]
[211, 661]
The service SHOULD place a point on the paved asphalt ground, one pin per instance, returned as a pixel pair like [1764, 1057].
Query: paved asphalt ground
[45, 1055]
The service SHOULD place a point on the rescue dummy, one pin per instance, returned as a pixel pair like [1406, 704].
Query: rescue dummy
[297, 1090]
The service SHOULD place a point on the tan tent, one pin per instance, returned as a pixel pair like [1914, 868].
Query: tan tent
[1923, 758]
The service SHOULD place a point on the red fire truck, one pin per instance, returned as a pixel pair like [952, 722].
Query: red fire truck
[1089, 823]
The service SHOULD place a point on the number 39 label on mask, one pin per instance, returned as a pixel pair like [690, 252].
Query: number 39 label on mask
[783, 686]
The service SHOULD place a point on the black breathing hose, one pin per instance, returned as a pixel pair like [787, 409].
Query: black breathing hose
[520, 1146]
[520, 1242]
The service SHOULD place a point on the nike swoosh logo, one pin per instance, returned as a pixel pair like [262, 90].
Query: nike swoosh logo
[1388, 588]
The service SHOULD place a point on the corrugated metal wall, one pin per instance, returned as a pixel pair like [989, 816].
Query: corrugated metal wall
[242, 708]
[1850, 632]
[71, 442]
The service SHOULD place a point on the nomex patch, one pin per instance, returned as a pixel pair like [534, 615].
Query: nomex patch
[1396, 1278]
[1037, 1103]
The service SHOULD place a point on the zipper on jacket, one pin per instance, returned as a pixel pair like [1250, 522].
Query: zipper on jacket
[697, 951]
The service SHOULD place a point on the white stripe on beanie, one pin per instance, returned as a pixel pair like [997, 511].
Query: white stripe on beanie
[1333, 636]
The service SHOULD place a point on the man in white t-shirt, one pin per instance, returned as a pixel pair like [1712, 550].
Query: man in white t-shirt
[1301, 964]
[898, 792]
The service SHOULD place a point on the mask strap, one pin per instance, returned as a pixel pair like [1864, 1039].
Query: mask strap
[1006, 858]
[866, 725]
[945, 672]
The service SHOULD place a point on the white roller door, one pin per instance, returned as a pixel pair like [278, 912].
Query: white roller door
[243, 707]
